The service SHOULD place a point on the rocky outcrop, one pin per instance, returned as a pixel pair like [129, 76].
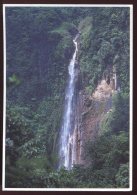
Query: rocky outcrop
[90, 111]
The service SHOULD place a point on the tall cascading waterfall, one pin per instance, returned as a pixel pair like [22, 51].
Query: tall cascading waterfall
[66, 139]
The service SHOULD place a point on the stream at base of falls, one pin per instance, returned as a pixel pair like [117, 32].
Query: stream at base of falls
[66, 148]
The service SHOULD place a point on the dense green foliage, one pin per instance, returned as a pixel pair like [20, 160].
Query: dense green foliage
[104, 44]
[39, 47]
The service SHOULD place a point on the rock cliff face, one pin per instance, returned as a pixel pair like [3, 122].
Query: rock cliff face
[90, 111]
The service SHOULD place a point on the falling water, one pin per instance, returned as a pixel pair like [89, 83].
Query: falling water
[66, 139]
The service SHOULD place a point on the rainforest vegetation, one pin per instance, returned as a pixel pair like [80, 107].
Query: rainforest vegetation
[39, 46]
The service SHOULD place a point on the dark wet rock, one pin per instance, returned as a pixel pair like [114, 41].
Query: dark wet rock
[87, 102]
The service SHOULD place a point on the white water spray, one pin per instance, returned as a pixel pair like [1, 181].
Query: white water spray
[66, 139]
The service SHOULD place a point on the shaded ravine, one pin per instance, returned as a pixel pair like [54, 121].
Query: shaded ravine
[66, 141]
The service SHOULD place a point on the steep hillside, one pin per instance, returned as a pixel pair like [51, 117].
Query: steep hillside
[39, 49]
[103, 75]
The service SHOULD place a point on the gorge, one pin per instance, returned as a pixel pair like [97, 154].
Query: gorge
[67, 97]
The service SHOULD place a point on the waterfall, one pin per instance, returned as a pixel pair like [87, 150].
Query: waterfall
[66, 138]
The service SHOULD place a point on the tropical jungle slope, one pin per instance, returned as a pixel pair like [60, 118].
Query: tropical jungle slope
[39, 48]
